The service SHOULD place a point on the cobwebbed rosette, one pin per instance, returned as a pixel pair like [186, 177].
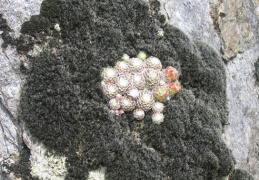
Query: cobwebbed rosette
[145, 100]
[139, 84]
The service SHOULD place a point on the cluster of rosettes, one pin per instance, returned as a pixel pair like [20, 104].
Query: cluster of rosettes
[139, 84]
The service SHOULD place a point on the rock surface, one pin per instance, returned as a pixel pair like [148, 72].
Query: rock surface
[208, 21]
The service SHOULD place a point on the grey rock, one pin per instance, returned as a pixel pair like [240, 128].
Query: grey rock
[257, 70]
[208, 21]
[237, 24]
[10, 130]
[242, 135]
[18, 11]
[15, 12]
[193, 18]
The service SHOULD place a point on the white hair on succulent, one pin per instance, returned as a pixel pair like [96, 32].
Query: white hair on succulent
[136, 65]
[157, 118]
[139, 114]
[152, 77]
[153, 62]
[110, 90]
[158, 107]
[122, 67]
[114, 103]
[133, 93]
[127, 103]
[139, 82]
[109, 74]
[123, 83]
[146, 100]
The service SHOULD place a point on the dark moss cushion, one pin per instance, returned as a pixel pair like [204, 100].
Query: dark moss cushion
[63, 106]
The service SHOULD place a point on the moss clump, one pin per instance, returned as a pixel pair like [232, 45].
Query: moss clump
[37, 24]
[63, 105]
[5, 32]
[240, 174]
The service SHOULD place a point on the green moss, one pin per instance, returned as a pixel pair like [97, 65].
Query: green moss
[63, 105]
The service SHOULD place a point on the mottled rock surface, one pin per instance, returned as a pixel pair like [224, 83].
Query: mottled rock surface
[237, 24]
[243, 93]
[68, 120]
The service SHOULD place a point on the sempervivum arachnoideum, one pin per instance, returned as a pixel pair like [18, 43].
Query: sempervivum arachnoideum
[142, 55]
[138, 81]
[136, 65]
[157, 118]
[145, 100]
[139, 114]
[110, 90]
[170, 74]
[133, 93]
[174, 87]
[152, 77]
[161, 92]
[114, 103]
[123, 83]
[158, 107]
[109, 74]
[122, 67]
[154, 63]
[127, 104]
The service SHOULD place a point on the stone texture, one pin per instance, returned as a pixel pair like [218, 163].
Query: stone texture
[237, 23]
[10, 130]
[44, 164]
[63, 106]
[193, 18]
[14, 14]
[242, 133]
[18, 11]
[243, 102]
[208, 21]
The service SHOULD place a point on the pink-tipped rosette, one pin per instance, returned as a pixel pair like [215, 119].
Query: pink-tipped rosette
[139, 114]
[154, 63]
[161, 93]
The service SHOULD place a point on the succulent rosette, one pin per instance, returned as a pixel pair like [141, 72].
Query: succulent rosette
[109, 74]
[136, 65]
[142, 55]
[157, 118]
[114, 103]
[146, 100]
[170, 74]
[158, 107]
[161, 92]
[138, 81]
[127, 104]
[122, 67]
[123, 83]
[125, 57]
[154, 63]
[110, 90]
[152, 77]
[174, 87]
[133, 93]
[138, 114]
